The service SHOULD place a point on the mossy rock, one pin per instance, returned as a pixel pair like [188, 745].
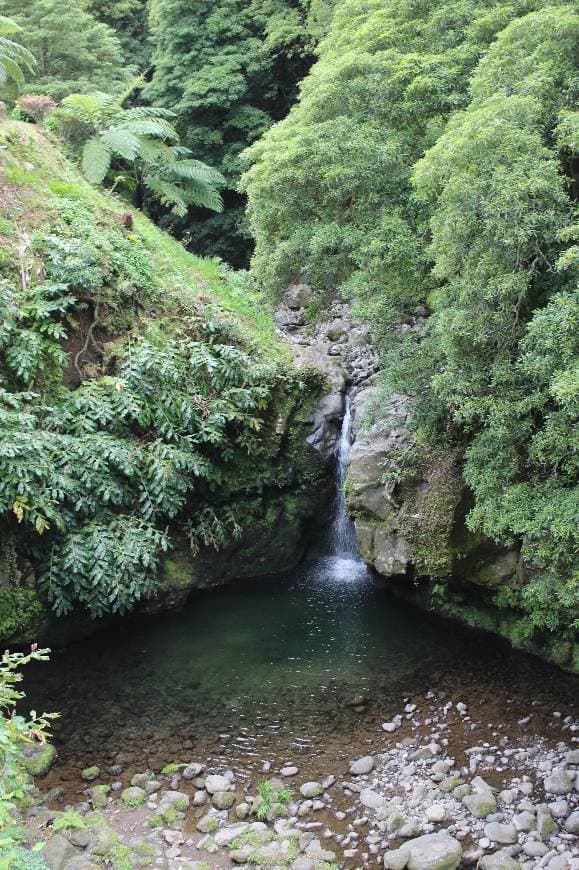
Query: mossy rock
[91, 773]
[38, 760]
[133, 797]
[99, 795]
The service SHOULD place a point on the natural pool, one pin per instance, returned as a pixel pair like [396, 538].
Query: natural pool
[264, 672]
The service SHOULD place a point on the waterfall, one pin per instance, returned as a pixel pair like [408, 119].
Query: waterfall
[342, 534]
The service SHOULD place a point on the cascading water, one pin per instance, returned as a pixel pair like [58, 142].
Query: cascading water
[342, 535]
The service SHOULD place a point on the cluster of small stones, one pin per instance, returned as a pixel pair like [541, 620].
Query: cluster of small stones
[503, 804]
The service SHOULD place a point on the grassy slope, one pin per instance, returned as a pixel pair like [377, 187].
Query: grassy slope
[34, 176]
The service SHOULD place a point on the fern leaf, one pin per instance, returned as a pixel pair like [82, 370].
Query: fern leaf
[123, 142]
[96, 159]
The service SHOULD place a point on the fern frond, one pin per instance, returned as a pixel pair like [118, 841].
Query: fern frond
[96, 159]
[195, 170]
[167, 193]
[157, 128]
[123, 142]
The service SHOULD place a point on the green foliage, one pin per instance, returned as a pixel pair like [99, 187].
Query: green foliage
[228, 69]
[270, 795]
[15, 59]
[128, 18]
[16, 732]
[432, 160]
[73, 51]
[143, 137]
[68, 820]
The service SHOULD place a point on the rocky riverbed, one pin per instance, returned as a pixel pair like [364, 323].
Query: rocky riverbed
[439, 787]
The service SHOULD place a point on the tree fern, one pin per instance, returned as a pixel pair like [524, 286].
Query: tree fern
[145, 137]
[15, 60]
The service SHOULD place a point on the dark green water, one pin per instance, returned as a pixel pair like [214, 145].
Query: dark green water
[264, 672]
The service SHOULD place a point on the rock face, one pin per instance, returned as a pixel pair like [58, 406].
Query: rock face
[409, 511]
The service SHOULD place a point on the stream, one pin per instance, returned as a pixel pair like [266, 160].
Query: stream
[298, 668]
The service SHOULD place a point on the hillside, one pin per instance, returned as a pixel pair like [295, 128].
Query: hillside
[148, 409]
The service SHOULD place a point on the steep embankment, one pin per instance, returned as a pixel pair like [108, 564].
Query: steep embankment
[152, 426]
[429, 174]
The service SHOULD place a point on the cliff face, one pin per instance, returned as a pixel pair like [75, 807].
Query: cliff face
[409, 511]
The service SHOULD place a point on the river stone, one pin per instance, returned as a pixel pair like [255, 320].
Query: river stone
[303, 863]
[430, 852]
[133, 796]
[208, 824]
[362, 765]
[215, 783]
[498, 861]
[81, 862]
[192, 771]
[311, 789]
[535, 849]
[546, 824]
[559, 781]
[559, 809]
[90, 773]
[572, 757]
[572, 823]
[290, 770]
[38, 759]
[524, 821]
[57, 851]
[498, 833]
[480, 803]
[99, 796]
[372, 799]
[200, 798]
[177, 800]
[436, 813]
[223, 800]
[227, 835]
[242, 810]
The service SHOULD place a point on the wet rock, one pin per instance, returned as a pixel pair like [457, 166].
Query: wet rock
[311, 789]
[500, 833]
[91, 773]
[57, 851]
[192, 771]
[290, 770]
[560, 781]
[361, 766]
[215, 783]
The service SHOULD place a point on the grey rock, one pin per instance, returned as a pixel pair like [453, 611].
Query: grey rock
[192, 770]
[560, 781]
[572, 823]
[227, 835]
[303, 863]
[481, 804]
[372, 799]
[208, 824]
[498, 861]
[499, 833]
[57, 851]
[535, 849]
[215, 783]
[546, 825]
[524, 821]
[362, 765]
[311, 789]
[430, 852]
[223, 800]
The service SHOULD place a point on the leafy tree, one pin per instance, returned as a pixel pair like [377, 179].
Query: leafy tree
[144, 137]
[129, 20]
[228, 69]
[73, 51]
[15, 60]
[432, 160]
